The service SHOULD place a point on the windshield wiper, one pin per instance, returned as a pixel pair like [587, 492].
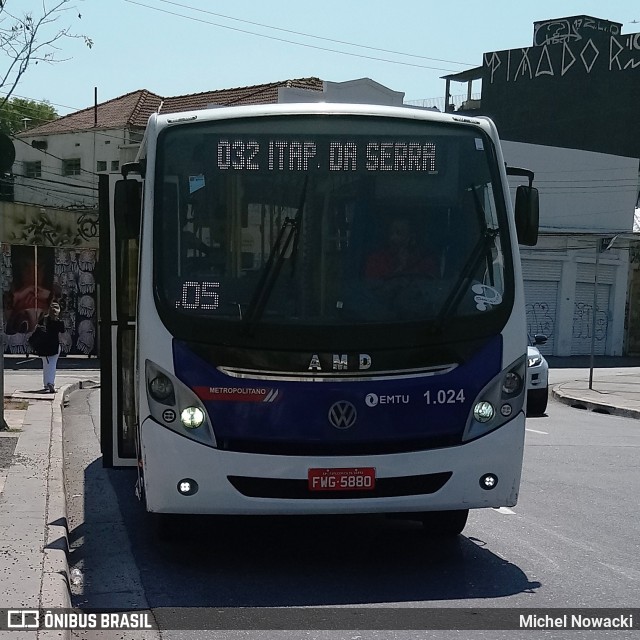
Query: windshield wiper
[289, 232]
[481, 251]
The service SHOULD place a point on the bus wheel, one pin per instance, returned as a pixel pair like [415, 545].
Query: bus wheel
[444, 524]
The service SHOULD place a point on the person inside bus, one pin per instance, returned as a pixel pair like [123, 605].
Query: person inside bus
[402, 255]
[398, 276]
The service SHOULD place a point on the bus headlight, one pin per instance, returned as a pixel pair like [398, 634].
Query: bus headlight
[192, 417]
[483, 411]
[505, 392]
[175, 406]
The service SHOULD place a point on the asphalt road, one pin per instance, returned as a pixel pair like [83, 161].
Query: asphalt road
[570, 542]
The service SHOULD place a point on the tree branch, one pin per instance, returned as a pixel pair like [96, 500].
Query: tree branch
[26, 40]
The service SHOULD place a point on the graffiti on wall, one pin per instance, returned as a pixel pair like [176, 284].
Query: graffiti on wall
[571, 29]
[51, 228]
[32, 278]
[622, 53]
[583, 322]
[539, 319]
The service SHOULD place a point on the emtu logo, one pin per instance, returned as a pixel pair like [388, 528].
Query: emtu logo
[371, 400]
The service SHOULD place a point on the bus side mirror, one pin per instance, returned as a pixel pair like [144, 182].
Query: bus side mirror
[127, 206]
[527, 214]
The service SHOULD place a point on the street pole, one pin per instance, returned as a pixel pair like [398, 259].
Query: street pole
[7, 156]
[593, 312]
[3, 424]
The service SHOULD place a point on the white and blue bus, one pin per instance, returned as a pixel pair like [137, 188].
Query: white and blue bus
[269, 343]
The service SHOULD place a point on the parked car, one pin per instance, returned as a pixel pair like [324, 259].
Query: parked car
[537, 377]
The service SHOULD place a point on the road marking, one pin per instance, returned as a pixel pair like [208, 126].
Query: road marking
[505, 511]
[544, 433]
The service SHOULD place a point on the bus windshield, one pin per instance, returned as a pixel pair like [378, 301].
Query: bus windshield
[340, 222]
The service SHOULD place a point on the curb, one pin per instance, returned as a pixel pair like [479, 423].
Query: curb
[580, 402]
[56, 586]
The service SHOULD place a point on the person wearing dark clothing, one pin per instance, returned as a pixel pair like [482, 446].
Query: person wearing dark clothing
[397, 278]
[50, 346]
[401, 256]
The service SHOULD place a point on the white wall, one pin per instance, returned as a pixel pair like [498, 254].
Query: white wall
[55, 189]
[579, 190]
[583, 196]
[361, 91]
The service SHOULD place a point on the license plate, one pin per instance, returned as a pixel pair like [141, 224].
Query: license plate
[356, 479]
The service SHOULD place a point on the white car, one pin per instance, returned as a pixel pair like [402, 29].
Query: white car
[537, 377]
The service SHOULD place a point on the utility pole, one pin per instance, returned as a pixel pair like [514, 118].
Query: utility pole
[593, 311]
[602, 245]
[7, 157]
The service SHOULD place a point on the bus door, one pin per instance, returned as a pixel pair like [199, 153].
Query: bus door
[120, 206]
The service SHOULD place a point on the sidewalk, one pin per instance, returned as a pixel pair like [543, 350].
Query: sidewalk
[615, 387]
[611, 394]
[33, 514]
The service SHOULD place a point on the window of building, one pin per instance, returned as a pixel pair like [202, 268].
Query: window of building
[33, 169]
[115, 165]
[101, 165]
[71, 167]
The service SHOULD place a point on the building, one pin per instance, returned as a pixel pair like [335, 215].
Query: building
[57, 163]
[49, 246]
[585, 156]
[567, 105]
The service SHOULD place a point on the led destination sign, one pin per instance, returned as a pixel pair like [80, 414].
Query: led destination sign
[281, 154]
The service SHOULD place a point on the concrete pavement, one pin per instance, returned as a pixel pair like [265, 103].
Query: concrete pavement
[615, 387]
[33, 516]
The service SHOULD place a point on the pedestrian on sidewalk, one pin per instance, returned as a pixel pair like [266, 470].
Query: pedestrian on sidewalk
[49, 349]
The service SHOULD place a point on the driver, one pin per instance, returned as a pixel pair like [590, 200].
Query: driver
[401, 256]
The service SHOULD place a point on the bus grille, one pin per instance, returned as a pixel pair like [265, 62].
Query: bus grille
[299, 489]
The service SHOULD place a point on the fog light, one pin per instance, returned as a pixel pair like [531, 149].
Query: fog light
[483, 411]
[192, 417]
[506, 410]
[187, 487]
[488, 481]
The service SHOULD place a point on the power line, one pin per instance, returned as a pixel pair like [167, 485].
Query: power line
[66, 184]
[93, 173]
[64, 196]
[310, 35]
[53, 104]
[300, 44]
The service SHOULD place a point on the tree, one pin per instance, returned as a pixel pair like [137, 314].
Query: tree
[20, 113]
[28, 38]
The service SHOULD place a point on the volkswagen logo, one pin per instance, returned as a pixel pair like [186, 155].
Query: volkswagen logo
[342, 415]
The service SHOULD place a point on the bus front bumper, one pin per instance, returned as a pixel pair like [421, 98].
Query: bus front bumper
[184, 476]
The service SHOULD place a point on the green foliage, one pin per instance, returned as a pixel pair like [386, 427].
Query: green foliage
[14, 114]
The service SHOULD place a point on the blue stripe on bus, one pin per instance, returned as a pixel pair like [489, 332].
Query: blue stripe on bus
[419, 409]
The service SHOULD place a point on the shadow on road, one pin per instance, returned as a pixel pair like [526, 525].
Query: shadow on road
[294, 561]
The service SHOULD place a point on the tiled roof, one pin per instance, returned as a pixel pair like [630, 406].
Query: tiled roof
[256, 94]
[133, 109]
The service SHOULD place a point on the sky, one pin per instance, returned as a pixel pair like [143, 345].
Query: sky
[188, 46]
